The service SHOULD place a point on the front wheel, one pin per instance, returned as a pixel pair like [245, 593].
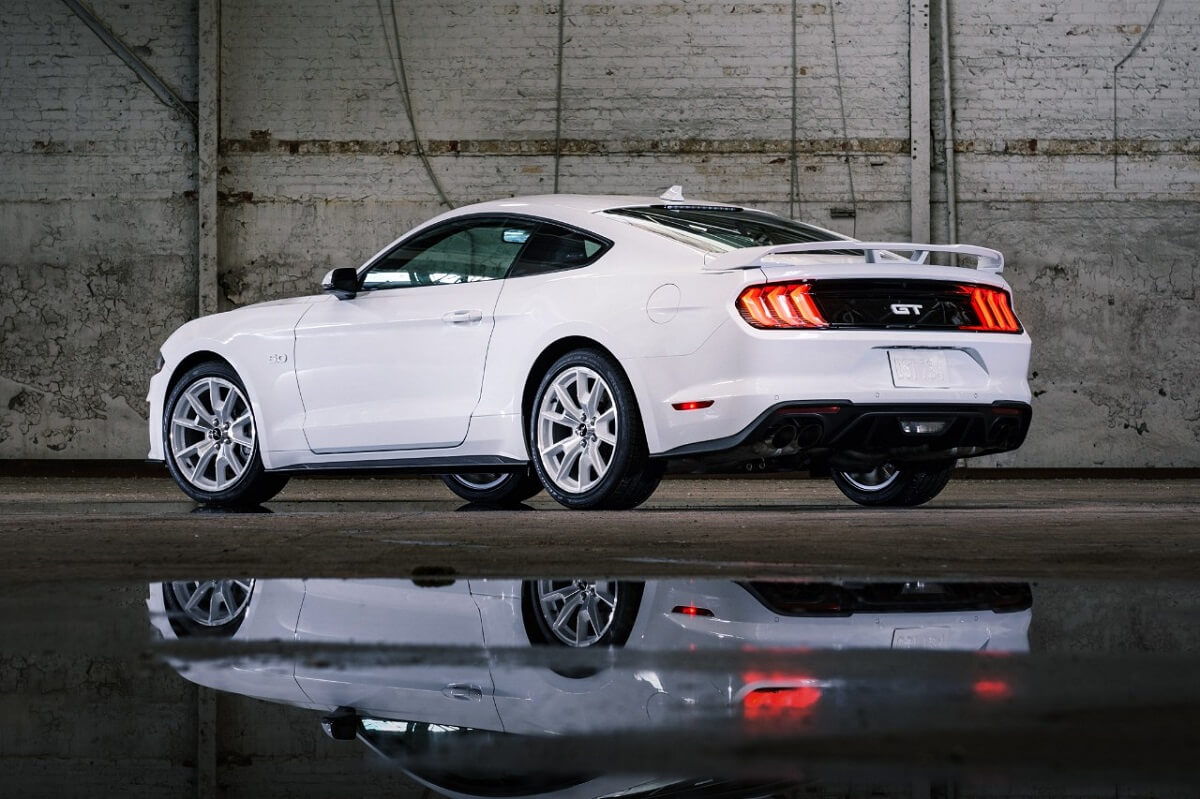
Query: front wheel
[494, 488]
[207, 607]
[894, 485]
[585, 436]
[211, 441]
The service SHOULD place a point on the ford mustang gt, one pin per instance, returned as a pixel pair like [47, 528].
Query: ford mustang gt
[579, 344]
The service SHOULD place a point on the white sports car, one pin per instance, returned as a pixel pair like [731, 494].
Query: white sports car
[579, 344]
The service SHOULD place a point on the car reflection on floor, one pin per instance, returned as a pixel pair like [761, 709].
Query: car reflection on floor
[423, 672]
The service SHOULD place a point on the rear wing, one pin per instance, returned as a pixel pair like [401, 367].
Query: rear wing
[986, 259]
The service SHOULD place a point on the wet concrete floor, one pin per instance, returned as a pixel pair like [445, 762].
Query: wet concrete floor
[145, 529]
[1060, 654]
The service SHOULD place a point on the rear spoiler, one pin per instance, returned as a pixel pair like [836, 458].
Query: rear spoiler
[986, 259]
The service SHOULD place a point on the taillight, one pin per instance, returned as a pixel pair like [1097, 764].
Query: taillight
[991, 309]
[780, 305]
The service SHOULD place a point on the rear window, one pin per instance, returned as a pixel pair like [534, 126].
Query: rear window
[722, 228]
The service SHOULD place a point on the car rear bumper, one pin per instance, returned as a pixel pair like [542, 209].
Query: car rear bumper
[842, 432]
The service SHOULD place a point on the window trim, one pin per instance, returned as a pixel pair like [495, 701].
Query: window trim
[606, 244]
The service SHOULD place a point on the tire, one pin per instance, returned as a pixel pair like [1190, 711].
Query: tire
[210, 440]
[890, 485]
[580, 613]
[585, 436]
[494, 488]
[212, 608]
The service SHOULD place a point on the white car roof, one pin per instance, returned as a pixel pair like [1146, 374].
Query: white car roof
[585, 203]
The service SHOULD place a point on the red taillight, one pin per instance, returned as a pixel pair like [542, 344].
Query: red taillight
[696, 405]
[791, 697]
[992, 689]
[692, 610]
[780, 305]
[992, 310]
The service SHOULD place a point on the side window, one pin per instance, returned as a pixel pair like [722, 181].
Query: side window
[554, 247]
[461, 251]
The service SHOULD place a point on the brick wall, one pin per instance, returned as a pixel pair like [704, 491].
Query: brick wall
[319, 170]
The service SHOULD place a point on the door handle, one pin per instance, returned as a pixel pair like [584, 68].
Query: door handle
[463, 317]
[465, 693]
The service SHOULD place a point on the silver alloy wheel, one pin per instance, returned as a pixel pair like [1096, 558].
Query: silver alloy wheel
[480, 481]
[212, 434]
[577, 429]
[876, 479]
[212, 603]
[577, 612]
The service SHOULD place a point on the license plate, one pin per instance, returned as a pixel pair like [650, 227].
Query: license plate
[919, 368]
[921, 638]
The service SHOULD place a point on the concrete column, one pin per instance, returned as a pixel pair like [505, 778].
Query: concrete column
[919, 137]
[207, 153]
[206, 743]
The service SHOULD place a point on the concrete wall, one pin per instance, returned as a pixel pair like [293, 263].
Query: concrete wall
[318, 170]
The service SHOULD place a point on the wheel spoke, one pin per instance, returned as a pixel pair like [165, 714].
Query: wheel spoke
[566, 612]
[559, 418]
[227, 406]
[605, 593]
[202, 413]
[569, 409]
[197, 425]
[202, 462]
[193, 448]
[571, 454]
[583, 625]
[231, 457]
[562, 594]
[198, 593]
[596, 614]
[214, 398]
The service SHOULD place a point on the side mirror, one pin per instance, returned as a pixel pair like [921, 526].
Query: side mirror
[341, 283]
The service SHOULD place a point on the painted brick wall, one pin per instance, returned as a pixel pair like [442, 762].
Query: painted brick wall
[319, 168]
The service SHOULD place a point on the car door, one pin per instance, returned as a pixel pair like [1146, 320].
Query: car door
[398, 613]
[400, 366]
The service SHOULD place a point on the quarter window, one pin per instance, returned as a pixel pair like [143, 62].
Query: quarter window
[554, 247]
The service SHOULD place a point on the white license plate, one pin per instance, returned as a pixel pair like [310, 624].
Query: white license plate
[919, 368]
[921, 638]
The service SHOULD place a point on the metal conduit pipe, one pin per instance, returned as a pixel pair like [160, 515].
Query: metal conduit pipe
[948, 130]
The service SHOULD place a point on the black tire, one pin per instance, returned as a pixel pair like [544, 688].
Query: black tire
[618, 472]
[545, 602]
[890, 485]
[234, 476]
[494, 488]
[207, 608]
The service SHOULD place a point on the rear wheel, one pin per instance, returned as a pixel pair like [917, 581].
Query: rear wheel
[894, 485]
[580, 613]
[494, 488]
[585, 436]
[211, 442]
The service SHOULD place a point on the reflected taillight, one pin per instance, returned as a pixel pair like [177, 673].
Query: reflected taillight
[780, 305]
[992, 310]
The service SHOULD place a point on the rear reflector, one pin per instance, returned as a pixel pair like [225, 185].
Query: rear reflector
[692, 406]
[780, 305]
[692, 610]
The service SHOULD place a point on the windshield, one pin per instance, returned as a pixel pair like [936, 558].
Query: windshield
[722, 228]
